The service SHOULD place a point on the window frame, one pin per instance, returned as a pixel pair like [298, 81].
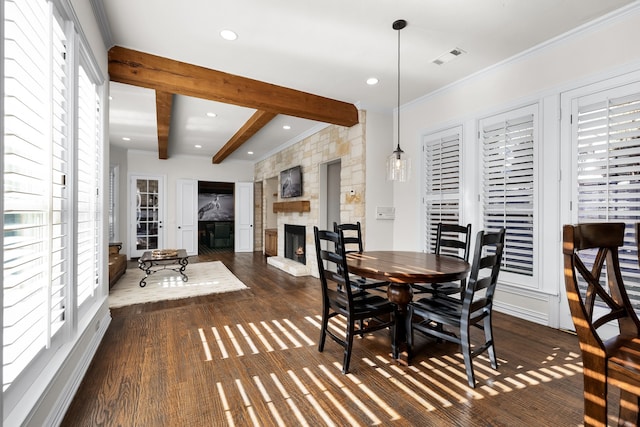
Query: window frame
[446, 135]
[509, 277]
[28, 386]
[608, 197]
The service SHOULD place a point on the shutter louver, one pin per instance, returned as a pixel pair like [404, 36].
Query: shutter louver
[33, 231]
[508, 188]
[442, 182]
[87, 170]
[608, 173]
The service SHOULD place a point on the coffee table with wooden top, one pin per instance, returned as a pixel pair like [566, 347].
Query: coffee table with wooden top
[163, 259]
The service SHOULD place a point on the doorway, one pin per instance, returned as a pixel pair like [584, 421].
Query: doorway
[147, 214]
[330, 184]
[216, 217]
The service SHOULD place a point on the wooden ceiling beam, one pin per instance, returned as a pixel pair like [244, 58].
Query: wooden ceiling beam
[167, 75]
[253, 125]
[164, 100]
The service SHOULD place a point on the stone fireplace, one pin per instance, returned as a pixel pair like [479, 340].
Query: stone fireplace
[313, 153]
[295, 243]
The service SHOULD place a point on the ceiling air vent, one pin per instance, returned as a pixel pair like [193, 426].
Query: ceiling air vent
[448, 56]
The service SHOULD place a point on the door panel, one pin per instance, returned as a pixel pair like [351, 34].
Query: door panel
[244, 217]
[187, 215]
[147, 214]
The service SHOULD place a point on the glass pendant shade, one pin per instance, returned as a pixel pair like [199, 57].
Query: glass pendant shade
[398, 166]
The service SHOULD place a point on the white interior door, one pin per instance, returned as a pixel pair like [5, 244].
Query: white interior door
[187, 215]
[244, 217]
[146, 215]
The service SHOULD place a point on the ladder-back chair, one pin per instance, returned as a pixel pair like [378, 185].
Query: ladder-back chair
[340, 299]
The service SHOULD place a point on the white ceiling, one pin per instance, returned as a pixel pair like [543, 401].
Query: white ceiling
[327, 48]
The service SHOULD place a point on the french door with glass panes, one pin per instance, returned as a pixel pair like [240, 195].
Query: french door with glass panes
[147, 213]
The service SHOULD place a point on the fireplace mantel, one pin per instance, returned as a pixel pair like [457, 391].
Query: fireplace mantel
[295, 206]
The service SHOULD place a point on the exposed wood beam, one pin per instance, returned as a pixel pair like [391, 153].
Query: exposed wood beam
[164, 101]
[163, 74]
[253, 125]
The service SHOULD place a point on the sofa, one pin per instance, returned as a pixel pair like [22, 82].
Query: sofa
[117, 263]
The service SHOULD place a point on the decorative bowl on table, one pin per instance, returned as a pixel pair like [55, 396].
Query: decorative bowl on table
[164, 253]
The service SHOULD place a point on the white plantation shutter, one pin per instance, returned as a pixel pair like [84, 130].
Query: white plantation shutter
[442, 181]
[508, 143]
[607, 143]
[34, 161]
[50, 181]
[88, 168]
[59, 164]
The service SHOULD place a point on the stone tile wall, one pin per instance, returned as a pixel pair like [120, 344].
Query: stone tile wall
[329, 144]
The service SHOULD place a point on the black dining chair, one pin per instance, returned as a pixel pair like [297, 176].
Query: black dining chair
[352, 235]
[339, 298]
[439, 311]
[451, 240]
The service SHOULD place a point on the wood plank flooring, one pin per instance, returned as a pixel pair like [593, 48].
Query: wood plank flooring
[250, 358]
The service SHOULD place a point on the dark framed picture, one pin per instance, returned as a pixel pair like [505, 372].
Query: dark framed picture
[291, 182]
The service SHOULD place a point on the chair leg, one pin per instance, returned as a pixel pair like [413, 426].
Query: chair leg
[393, 332]
[488, 335]
[408, 331]
[465, 343]
[323, 329]
[595, 401]
[628, 413]
[349, 345]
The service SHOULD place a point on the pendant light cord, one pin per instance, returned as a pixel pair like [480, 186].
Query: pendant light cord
[398, 26]
[399, 150]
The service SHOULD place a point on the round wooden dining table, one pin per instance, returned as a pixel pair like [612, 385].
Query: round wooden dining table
[401, 269]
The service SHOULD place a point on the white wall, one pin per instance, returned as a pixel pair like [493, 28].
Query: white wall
[182, 167]
[378, 234]
[594, 52]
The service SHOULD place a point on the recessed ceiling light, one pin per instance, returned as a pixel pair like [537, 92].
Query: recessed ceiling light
[126, 138]
[249, 152]
[372, 81]
[198, 146]
[110, 97]
[228, 35]
[211, 114]
[286, 127]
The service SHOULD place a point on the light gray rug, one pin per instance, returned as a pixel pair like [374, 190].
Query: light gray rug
[204, 278]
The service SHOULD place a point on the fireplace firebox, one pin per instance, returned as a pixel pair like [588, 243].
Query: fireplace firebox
[295, 243]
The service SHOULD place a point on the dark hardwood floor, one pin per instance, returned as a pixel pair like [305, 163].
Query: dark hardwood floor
[250, 358]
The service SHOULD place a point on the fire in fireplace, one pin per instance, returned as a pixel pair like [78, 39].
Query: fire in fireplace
[295, 243]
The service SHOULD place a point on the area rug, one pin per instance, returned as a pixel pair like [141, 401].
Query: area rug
[204, 278]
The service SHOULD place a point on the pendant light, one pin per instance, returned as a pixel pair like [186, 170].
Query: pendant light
[398, 164]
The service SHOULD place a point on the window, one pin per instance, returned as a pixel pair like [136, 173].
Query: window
[34, 241]
[51, 179]
[508, 191]
[442, 181]
[88, 168]
[606, 140]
